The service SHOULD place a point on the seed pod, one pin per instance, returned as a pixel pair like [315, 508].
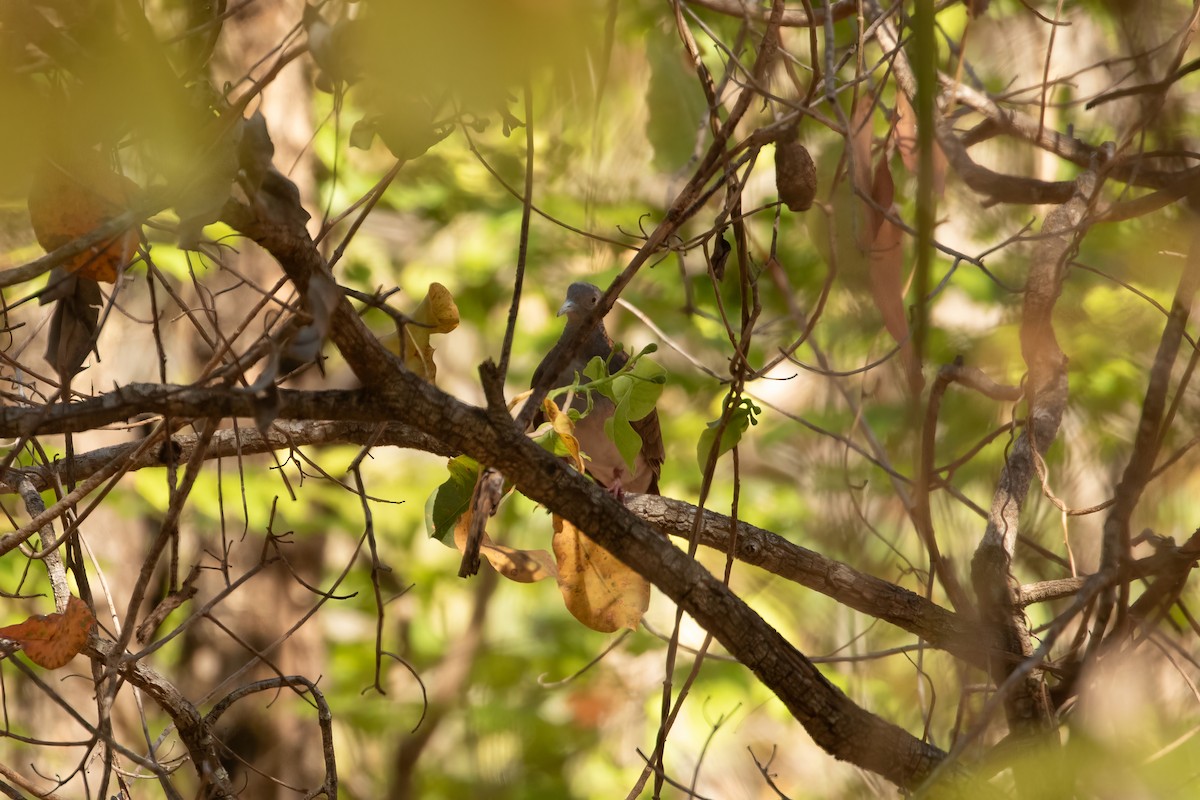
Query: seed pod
[795, 175]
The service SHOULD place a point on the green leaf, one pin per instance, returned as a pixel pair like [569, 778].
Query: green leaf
[626, 439]
[362, 135]
[740, 419]
[596, 369]
[634, 390]
[638, 389]
[451, 500]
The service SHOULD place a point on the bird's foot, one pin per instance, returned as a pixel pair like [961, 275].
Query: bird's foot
[616, 490]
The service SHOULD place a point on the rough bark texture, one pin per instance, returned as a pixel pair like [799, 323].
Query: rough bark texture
[1031, 716]
[834, 721]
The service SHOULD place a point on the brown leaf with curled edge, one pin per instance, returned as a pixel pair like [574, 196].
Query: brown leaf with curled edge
[437, 313]
[522, 566]
[73, 197]
[905, 134]
[75, 322]
[599, 590]
[52, 640]
[886, 259]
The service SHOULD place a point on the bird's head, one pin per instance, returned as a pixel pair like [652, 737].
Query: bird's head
[581, 299]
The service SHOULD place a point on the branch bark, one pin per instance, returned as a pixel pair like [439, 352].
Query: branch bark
[836, 723]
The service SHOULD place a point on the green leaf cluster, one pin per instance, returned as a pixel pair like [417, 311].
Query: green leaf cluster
[740, 418]
[635, 390]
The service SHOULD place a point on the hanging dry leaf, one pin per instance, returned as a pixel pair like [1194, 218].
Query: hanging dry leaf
[859, 145]
[75, 323]
[795, 175]
[976, 8]
[886, 259]
[522, 566]
[436, 314]
[52, 640]
[305, 346]
[71, 198]
[905, 135]
[599, 590]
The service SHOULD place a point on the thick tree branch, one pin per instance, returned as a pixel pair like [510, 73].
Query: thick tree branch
[836, 723]
[1030, 713]
[187, 402]
[876, 597]
[227, 443]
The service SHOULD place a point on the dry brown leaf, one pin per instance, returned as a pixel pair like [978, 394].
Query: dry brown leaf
[795, 175]
[71, 199]
[75, 323]
[905, 134]
[52, 640]
[437, 313]
[886, 260]
[599, 590]
[861, 135]
[522, 566]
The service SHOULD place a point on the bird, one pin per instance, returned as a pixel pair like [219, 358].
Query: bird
[606, 464]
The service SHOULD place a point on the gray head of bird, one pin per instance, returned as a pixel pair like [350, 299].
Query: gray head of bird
[581, 299]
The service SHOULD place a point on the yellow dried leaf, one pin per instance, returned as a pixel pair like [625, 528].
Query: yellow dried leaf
[565, 428]
[599, 590]
[437, 313]
[522, 566]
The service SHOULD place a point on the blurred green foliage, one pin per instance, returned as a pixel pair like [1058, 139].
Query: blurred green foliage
[531, 721]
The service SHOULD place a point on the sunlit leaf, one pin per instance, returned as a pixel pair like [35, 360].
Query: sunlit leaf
[599, 590]
[437, 313]
[451, 500]
[564, 430]
[635, 391]
[522, 566]
[740, 419]
[52, 640]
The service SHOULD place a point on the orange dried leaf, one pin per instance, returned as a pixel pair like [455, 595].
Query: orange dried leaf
[67, 202]
[565, 428]
[599, 590]
[52, 640]
[522, 566]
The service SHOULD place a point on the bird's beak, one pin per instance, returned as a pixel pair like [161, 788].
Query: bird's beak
[567, 308]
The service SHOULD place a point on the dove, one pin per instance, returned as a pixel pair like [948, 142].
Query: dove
[606, 464]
